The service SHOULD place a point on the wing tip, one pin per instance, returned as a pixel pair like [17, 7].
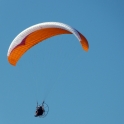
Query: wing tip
[85, 45]
[11, 61]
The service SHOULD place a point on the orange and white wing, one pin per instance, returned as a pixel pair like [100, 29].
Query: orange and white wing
[38, 33]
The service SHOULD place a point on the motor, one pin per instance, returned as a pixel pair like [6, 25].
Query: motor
[41, 110]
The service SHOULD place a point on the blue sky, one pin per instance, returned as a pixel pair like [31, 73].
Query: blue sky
[79, 87]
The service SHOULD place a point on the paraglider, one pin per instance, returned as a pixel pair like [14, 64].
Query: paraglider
[34, 35]
[41, 110]
[38, 33]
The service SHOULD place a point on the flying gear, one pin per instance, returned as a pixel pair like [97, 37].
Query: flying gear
[42, 110]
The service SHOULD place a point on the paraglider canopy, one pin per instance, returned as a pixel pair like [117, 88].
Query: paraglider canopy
[38, 33]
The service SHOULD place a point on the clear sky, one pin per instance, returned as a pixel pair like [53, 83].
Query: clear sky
[79, 87]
